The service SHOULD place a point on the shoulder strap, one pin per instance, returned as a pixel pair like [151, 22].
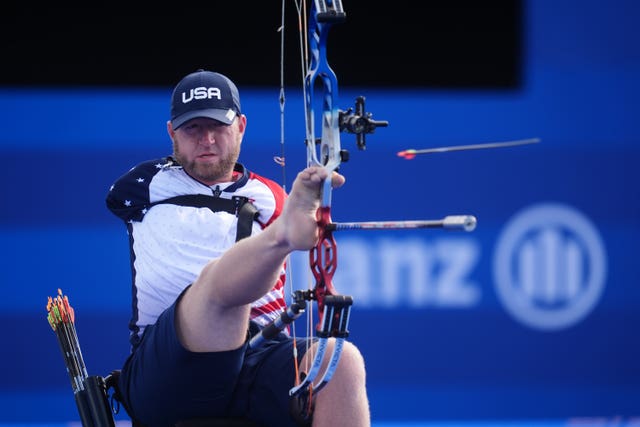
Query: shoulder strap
[237, 205]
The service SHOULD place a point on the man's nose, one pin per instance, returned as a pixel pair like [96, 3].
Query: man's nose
[208, 137]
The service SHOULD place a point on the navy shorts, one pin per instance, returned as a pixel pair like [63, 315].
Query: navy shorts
[162, 383]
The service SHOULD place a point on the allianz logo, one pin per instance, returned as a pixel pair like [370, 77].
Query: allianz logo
[548, 270]
[549, 266]
[201, 93]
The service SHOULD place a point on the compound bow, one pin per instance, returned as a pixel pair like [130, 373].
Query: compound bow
[333, 308]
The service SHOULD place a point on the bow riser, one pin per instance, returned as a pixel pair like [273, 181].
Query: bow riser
[320, 77]
[323, 260]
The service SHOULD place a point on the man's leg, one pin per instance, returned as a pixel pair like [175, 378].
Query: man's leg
[213, 313]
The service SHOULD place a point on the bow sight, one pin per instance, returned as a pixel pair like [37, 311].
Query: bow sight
[359, 122]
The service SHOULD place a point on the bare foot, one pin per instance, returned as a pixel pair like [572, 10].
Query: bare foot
[298, 217]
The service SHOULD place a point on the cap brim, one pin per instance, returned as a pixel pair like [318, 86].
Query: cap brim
[224, 116]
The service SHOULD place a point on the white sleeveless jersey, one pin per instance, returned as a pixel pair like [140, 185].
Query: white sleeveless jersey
[170, 243]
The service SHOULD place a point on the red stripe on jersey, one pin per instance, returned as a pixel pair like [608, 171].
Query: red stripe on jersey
[279, 195]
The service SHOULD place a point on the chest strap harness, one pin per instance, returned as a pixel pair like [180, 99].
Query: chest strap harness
[238, 205]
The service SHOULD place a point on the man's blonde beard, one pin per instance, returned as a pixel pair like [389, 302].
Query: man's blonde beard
[219, 171]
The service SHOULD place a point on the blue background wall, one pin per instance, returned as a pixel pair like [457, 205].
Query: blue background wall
[439, 315]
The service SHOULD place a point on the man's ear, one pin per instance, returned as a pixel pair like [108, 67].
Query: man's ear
[170, 130]
[242, 122]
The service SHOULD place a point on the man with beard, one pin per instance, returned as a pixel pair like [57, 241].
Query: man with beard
[208, 243]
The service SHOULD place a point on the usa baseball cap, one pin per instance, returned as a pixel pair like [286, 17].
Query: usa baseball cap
[204, 94]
